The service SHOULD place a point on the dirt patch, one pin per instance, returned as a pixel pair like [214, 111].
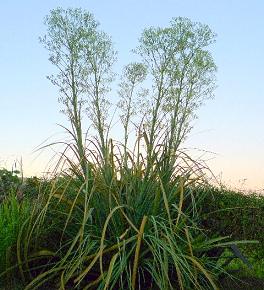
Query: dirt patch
[242, 283]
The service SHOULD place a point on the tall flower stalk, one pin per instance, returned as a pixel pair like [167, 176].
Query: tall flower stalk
[84, 57]
[183, 77]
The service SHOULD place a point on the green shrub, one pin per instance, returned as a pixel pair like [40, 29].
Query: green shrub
[9, 182]
[238, 215]
[234, 213]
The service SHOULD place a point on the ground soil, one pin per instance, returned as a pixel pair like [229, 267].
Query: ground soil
[242, 283]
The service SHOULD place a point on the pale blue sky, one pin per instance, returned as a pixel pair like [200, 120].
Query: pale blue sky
[231, 125]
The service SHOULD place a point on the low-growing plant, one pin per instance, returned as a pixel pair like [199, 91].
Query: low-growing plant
[13, 213]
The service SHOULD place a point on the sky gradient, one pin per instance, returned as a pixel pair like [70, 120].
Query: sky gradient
[230, 126]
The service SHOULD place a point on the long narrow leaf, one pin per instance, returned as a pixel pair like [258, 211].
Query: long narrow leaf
[140, 235]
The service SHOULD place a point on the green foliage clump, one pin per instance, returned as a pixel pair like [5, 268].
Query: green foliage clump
[117, 229]
[238, 215]
[9, 182]
[13, 213]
